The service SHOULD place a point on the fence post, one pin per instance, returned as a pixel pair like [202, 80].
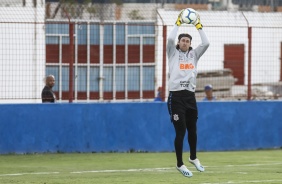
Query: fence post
[249, 63]
[249, 95]
[71, 25]
[163, 90]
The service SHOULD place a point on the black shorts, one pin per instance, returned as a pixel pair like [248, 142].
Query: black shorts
[181, 102]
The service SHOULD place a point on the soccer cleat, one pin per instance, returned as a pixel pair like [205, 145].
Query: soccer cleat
[183, 169]
[197, 164]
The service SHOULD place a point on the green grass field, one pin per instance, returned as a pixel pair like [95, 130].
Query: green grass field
[264, 166]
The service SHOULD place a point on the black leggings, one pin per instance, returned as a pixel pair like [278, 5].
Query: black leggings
[184, 115]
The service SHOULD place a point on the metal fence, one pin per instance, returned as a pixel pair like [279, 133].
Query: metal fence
[112, 61]
[116, 53]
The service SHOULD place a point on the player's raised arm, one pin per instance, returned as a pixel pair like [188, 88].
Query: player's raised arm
[170, 48]
[200, 50]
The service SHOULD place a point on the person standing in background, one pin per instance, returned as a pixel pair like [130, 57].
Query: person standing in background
[47, 95]
[209, 93]
[182, 106]
[159, 95]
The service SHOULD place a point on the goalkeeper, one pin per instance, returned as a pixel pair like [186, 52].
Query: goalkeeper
[182, 107]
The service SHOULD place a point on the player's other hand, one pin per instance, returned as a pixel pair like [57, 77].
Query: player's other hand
[197, 23]
[179, 19]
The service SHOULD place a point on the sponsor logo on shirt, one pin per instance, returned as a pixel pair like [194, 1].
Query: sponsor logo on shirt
[184, 83]
[186, 66]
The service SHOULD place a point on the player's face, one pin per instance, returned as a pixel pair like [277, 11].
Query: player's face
[51, 81]
[184, 44]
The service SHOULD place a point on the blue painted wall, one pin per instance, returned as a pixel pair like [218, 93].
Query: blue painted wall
[27, 128]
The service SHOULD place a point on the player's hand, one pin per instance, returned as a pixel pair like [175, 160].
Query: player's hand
[197, 23]
[179, 20]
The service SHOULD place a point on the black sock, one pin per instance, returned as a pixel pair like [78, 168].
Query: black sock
[193, 158]
[179, 164]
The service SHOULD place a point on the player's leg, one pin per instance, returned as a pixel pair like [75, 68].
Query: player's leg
[180, 130]
[177, 114]
[177, 117]
[191, 123]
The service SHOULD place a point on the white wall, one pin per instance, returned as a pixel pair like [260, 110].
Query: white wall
[22, 52]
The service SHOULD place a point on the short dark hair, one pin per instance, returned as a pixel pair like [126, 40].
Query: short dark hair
[181, 36]
[184, 35]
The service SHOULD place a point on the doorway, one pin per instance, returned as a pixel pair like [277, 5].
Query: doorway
[234, 55]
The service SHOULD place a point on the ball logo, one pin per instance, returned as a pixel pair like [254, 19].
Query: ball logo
[186, 66]
[189, 16]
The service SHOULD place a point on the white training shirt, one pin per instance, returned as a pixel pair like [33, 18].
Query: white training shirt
[183, 65]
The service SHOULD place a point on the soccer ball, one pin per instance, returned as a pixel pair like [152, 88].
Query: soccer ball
[189, 16]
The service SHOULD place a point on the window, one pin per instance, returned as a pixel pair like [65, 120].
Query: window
[122, 75]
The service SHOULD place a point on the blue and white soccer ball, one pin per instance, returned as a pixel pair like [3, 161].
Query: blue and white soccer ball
[189, 16]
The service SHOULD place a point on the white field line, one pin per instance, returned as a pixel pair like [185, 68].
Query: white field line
[147, 170]
[250, 165]
[248, 181]
[35, 173]
[125, 170]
